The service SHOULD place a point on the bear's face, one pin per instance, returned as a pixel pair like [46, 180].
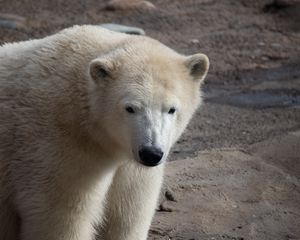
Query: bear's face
[145, 103]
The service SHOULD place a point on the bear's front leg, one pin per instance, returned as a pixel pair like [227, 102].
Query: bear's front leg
[131, 202]
[56, 224]
[70, 214]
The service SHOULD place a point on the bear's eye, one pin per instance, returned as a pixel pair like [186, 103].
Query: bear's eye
[130, 110]
[172, 110]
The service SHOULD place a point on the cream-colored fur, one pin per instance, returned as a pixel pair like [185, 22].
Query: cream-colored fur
[68, 148]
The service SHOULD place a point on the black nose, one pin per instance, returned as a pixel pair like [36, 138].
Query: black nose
[150, 156]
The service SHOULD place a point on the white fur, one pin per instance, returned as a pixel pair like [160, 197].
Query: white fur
[68, 148]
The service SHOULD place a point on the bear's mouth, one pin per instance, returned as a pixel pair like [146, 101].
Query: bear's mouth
[150, 163]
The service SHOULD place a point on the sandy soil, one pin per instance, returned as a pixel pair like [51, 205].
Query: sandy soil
[235, 174]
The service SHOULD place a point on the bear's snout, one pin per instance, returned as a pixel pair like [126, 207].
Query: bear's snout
[150, 156]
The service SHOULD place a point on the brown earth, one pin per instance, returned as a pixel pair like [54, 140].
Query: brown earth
[237, 168]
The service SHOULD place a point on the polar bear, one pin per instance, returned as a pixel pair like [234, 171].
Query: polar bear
[87, 119]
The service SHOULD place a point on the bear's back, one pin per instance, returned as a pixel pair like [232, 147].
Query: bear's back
[34, 88]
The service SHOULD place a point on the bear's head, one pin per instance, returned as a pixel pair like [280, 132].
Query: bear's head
[144, 95]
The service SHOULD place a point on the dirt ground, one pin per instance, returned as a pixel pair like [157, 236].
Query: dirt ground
[235, 174]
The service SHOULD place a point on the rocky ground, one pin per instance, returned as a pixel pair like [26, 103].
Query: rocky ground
[235, 174]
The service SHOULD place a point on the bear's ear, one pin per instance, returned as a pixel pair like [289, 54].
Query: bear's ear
[101, 69]
[197, 65]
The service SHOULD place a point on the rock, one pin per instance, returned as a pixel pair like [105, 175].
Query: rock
[195, 41]
[286, 3]
[123, 28]
[276, 45]
[276, 5]
[129, 5]
[169, 194]
[164, 208]
[12, 21]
